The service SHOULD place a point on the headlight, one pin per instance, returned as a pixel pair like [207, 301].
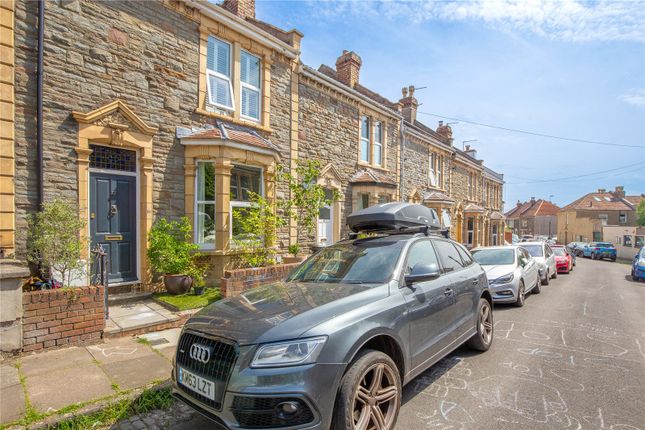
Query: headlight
[504, 279]
[289, 353]
[641, 262]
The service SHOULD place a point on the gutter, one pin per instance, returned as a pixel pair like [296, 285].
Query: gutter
[39, 104]
[240, 26]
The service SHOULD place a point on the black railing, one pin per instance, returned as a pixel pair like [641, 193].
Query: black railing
[99, 273]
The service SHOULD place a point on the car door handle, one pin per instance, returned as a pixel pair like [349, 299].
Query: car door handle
[448, 292]
[475, 281]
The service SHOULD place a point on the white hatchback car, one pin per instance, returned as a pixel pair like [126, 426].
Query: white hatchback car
[545, 258]
[511, 272]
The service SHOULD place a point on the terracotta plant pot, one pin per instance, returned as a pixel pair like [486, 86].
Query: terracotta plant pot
[177, 284]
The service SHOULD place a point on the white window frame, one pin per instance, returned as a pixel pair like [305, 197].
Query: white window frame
[432, 177]
[241, 203]
[363, 139]
[470, 234]
[252, 88]
[622, 217]
[197, 202]
[221, 76]
[438, 171]
[378, 143]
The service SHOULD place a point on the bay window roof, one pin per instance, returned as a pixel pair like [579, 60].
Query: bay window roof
[227, 135]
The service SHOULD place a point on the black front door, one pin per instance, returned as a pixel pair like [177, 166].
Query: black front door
[113, 222]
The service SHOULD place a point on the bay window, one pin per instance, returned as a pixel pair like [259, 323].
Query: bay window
[218, 74]
[250, 85]
[378, 144]
[363, 201]
[365, 139]
[245, 181]
[205, 205]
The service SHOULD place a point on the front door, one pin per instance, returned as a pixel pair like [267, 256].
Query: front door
[113, 222]
[326, 222]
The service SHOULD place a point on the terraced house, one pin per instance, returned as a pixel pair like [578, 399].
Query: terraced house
[140, 110]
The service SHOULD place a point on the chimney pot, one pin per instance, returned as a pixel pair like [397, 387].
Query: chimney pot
[467, 148]
[409, 104]
[348, 67]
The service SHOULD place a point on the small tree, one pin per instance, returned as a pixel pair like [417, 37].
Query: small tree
[171, 250]
[255, 231]
[307, 196]
[640, 213]
[54, 242]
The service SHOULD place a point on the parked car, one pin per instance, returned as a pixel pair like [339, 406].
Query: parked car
[333, 344]
[638, 265]
[527, 238]
[599, 250]
[545, 259]
[564, 261]
[512, 272]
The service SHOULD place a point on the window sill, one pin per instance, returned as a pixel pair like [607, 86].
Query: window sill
[238, 121]
[372, 166]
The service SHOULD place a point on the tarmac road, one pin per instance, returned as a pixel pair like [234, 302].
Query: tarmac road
[572, 358]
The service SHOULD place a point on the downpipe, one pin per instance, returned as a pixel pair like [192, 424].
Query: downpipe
[39, 104]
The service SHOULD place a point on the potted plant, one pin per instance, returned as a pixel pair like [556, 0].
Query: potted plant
[172, 254]
[294, 250]
[198, 273]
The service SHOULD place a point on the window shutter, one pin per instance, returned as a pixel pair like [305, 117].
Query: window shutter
[218, 56]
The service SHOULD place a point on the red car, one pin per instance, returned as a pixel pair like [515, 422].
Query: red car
[563, 260]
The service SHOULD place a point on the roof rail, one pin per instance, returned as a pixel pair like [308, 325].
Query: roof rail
[426, 230]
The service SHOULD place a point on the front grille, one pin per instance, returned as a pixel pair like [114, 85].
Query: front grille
[263, 412]
[218, 368]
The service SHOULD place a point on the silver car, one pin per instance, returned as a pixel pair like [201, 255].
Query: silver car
[511, 272]
[543, 254]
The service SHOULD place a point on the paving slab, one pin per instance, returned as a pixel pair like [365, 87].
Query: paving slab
[60, 388]
[163, 338]
[143, 319]
[138, 372]
[8, 375]
[125, 309]
[12, 403]
[53, 360]
[168, 352]
[118, 350]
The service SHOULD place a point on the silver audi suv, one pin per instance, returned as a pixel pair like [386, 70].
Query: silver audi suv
[332, 345]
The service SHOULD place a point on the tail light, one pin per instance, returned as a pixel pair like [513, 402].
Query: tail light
[596, 249]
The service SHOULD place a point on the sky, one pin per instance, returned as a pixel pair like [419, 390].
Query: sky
[569, 69]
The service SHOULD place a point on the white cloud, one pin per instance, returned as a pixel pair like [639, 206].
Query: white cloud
[636, 97]
[571, 20]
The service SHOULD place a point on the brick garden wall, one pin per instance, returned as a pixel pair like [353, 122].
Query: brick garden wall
[62, 317]
[235, 282]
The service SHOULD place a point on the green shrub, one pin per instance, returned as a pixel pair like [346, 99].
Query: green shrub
[54, 240]
[171, 251]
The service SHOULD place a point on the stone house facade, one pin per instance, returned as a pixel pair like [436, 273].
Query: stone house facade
[583, 220]
[534, 217]
[181, 108]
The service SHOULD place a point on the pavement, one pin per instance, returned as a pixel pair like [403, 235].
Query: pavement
[57, 379]
[131, 316]
[572, 358]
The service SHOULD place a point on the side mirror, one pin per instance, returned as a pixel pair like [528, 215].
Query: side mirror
[523, 261]
[422, 272]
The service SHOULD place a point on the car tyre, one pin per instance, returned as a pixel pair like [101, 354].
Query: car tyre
[538, 287]
[593, 256]
[613, 259]
[555, 274]
[521, 295]
[369, 391]
[483, 339]
[546, 279]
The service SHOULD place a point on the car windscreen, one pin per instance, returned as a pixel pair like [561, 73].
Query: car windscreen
[559, 252]
[494, 257]
[358, 262]
[534, 250]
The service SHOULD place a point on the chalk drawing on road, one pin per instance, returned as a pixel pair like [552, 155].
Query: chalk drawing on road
[529, 334]
[108, 351]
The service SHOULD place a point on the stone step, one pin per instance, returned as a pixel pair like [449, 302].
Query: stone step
[129, 297]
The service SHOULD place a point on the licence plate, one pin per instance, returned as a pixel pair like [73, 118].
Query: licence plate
[196, 383]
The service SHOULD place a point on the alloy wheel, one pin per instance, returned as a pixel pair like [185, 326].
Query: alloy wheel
[375, 399]
[486, 324]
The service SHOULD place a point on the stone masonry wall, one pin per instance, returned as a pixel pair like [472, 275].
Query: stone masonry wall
[415, 168]
[62, 317]
[96, 52]
[329, 131]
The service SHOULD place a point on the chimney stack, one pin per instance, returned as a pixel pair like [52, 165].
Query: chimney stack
[601, 190]
[409, 104]
[619, 192]
[518, 204]
[242, 8]
[348, 67]
[470, 152]
[445, 131]
[532, 201]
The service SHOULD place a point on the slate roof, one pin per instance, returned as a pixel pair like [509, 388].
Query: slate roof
[603, 202]
[370, 177]
[226, 131]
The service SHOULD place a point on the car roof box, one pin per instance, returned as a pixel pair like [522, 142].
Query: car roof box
[396, 217]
